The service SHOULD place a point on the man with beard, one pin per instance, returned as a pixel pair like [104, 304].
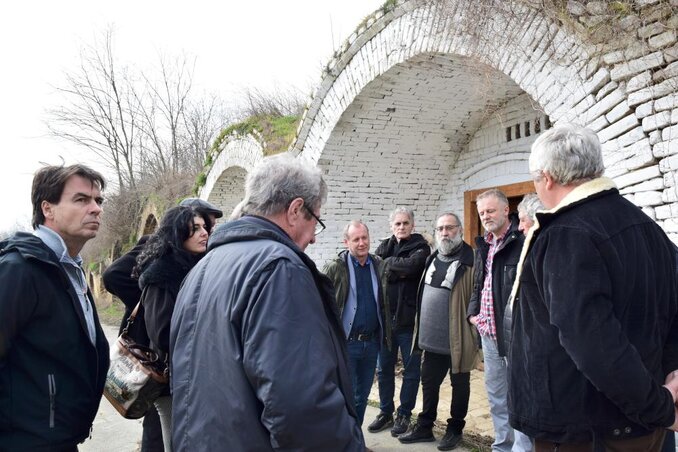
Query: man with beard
[496, 260]
[442, 332]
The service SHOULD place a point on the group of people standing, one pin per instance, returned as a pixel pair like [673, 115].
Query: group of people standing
[574, 308]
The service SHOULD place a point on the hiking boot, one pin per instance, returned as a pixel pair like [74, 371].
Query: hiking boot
[383, 421]
[417, 435]
[450, 441]
[400, 426]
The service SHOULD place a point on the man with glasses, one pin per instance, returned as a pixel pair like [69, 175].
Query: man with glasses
[355, 274]
[404, 255]
[258, 352]
[448, 341]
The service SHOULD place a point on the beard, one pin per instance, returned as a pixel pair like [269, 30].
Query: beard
[447, 246]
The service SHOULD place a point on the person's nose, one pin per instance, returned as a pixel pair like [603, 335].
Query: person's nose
[95, 208]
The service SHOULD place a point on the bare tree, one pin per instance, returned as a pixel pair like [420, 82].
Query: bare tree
[102, 111]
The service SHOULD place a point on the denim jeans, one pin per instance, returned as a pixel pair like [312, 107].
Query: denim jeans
[496, 384]
[386, 374]
[362, 360]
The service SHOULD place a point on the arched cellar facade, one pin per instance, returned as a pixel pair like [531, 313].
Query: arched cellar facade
[416, 110]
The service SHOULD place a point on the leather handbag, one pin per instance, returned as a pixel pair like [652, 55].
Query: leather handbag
[136, 376]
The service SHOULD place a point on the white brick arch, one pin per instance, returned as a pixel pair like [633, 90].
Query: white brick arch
[225, 184]
[396, 118]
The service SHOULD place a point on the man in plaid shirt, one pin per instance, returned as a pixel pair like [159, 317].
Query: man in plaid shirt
[497, 255]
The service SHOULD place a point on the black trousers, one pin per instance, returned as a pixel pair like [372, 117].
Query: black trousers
[434, 367]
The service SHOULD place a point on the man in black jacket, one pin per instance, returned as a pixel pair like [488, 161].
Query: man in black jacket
[53, 352]
[404, 255]
[595, 330]
[495, 265]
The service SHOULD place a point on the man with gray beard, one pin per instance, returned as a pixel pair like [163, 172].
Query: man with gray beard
[448, 341]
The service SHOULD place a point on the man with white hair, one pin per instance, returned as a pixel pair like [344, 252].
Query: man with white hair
[526, 212]
[595, 337]
[404, 255]
[258, 354]
[448, 341]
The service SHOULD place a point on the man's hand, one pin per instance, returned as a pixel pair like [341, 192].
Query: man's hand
[671, 383]
[473, 320]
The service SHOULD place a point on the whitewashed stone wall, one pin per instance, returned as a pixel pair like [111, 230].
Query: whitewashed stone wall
[415, 107]
[225, 184]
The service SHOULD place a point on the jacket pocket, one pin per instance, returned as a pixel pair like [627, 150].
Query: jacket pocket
[52, 398]
[509, 278]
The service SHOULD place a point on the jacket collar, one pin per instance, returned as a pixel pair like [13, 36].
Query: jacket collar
[580, 194]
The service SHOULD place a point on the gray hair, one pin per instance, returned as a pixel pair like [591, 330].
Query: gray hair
[493, 192]
[400, 209]
[570, 153]
[355, 224]
[530, 204]
[450, 214]
[279, 179]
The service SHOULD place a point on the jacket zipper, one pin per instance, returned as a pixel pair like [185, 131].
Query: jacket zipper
[52, 395]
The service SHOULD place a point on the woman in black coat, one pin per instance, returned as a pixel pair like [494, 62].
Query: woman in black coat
[169, 254]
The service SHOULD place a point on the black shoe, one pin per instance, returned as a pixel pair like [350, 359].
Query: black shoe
[450, 441]
[383, 421]
[400, 426]
[417, 435]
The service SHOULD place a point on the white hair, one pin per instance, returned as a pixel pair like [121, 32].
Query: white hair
[570, 153]
[530, 204]
[279, 179]
[407, 211]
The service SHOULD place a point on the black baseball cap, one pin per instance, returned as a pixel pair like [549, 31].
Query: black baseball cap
[202, 206]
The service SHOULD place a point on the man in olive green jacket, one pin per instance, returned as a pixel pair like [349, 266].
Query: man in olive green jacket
[448, 341]
[362, 307]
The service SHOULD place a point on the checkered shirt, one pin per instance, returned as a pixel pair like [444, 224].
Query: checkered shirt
[485, 321]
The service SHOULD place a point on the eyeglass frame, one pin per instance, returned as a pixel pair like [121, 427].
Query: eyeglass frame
[447, 227]
[317, 218]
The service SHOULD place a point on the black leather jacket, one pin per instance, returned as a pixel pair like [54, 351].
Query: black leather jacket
[403, 266]
[503, 274]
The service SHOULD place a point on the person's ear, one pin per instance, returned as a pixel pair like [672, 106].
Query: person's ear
[294, 209]
[47, 210]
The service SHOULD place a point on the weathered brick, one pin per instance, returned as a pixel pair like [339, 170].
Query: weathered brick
[605, 90]
[637, 176]
[657, 121]
[639, 81]
[645, 109]
[651, 29]
[630, 68]
[655, 137]
[662, 212]
[653, 92]
[666, 103]
[653, 184]
[650, 212]
[668, 164]
[618, 128]
[618, 112]
[665, 148]
[648, 198]
[662, 40]
[670, 133]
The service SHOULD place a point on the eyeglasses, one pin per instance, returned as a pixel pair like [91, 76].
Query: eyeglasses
[319, 226]
[447, 227]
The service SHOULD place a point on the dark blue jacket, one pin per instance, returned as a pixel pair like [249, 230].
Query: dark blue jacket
[51, 376]
[595, 329]
[258, 354]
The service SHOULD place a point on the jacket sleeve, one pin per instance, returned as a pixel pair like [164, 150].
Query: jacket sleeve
[289, 361]
[158, 305]
[474, 302]
[411, 266]
[670, 352]
[18, 300]
[589, 330]
[118, 279]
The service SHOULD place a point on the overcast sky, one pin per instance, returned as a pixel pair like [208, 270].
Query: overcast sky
[254, 43]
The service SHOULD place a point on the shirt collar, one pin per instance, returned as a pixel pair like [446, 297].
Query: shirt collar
[355, 261]
[491, 238]
[56, 244]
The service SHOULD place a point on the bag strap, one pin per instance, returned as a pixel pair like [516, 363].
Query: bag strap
[133, 315]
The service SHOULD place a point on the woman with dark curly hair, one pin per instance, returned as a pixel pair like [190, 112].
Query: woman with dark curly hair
[169, 254]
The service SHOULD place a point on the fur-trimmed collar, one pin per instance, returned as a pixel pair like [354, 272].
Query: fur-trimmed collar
[579, 194]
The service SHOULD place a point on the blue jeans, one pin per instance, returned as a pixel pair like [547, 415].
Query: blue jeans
[362, 360]
[496, 383]
[386, 374]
